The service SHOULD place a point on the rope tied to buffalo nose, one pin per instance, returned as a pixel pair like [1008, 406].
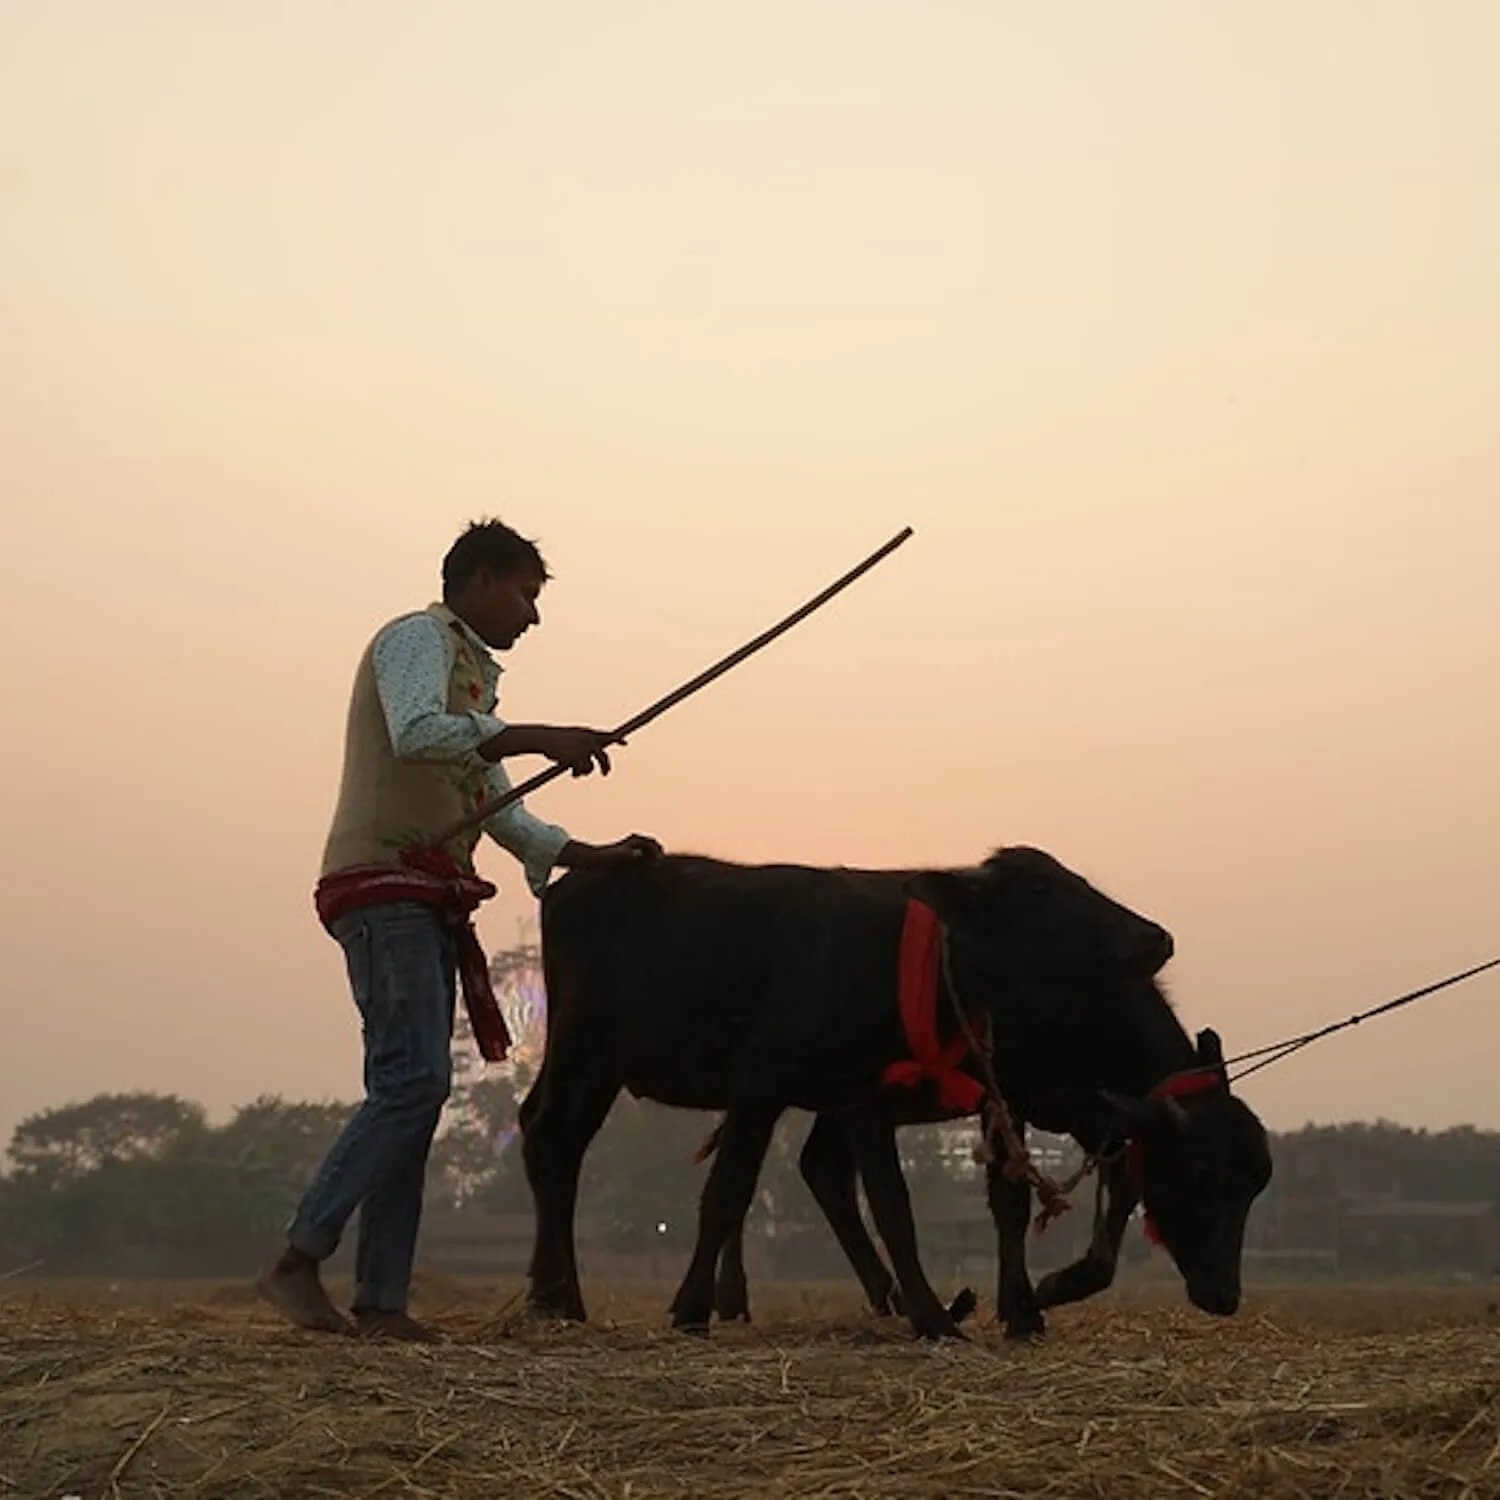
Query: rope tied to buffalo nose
[997, 1124]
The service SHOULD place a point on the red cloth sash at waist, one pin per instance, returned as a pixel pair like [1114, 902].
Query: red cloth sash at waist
[919, 981]
[429, 876]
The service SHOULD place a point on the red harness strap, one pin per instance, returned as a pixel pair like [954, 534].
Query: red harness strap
[1178, 1086]
[919, 980]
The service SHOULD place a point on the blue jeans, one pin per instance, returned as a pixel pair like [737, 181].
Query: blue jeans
[401, 961]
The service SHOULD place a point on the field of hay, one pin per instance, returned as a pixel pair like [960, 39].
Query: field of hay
[154, 1389]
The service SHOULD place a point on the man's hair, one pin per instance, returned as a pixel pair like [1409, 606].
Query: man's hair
[489, 545]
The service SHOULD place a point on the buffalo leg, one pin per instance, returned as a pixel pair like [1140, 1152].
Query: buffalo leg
[558, 1126]
[732, 1289]
[1010, 1207]
[879, 1164]
[829, 1170]
[726, 1199]
[1095, 1271]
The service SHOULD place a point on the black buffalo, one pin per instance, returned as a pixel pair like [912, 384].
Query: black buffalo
[1237, 1145]
[750, 990]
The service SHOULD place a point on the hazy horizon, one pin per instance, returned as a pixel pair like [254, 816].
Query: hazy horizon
[1175, 334]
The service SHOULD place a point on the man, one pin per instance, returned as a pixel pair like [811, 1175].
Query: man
[422, 751]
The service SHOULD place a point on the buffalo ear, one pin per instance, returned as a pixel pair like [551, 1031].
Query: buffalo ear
[1211, 1054]
[955, 895]
[1127, 1115]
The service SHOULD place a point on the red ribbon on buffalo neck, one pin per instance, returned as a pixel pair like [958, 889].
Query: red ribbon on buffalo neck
[919, 979]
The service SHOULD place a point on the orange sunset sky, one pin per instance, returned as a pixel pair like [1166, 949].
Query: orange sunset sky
[1172, 328]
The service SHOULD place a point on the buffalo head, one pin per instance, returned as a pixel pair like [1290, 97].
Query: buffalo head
[1035, 914]
[1200, 1158]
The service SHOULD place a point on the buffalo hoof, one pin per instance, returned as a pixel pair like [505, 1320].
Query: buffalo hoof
[1074, 1283]
[938, 1326]
[692, 1330]
[1026, 1330]
[961, 1309]
[554, 1312]
[732, 1301]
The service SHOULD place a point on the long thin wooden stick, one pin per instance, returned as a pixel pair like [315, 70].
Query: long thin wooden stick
[702, 680]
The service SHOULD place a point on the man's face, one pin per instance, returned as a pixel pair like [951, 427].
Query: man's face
[501, 607]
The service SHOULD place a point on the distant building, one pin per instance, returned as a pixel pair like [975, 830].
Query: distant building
[1378, 1234]
[1402, 1236]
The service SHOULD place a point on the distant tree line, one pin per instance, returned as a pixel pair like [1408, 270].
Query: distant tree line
[143, 1184]
[139, 1184]
[1461, 1165]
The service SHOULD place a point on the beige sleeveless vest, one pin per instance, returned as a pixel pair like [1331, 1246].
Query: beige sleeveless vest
[384, 803]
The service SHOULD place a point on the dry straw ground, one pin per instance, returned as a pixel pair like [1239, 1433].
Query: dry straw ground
[192, 1391]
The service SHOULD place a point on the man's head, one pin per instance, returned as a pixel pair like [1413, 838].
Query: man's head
[491, 579]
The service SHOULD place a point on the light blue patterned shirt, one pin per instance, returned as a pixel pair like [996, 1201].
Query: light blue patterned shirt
[413, 661]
